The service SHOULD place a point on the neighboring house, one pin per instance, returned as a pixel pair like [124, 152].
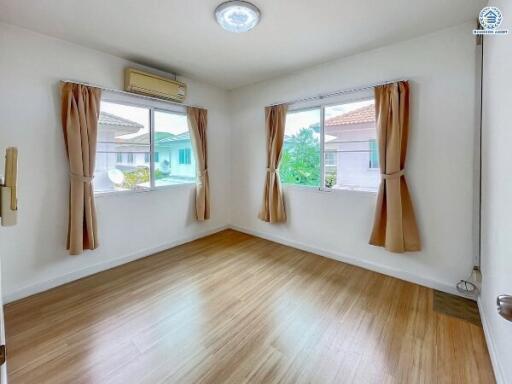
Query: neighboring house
[351, 153]
[173, 158]
[111, 127]
[173, 154]
[177, 150]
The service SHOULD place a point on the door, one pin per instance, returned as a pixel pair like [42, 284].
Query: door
[497, 196]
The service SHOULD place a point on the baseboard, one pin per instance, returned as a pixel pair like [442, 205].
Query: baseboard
[75, 275]
[380, 268]
[491, 345]
[90, 270]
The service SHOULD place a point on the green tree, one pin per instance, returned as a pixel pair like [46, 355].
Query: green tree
[300, 163]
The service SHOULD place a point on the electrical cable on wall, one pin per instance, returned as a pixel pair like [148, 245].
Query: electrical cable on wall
[471, 286]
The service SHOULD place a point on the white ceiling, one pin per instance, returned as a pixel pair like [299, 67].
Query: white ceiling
[182, 36]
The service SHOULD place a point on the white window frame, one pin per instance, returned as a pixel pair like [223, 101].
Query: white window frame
[152, 105]
[322, 104]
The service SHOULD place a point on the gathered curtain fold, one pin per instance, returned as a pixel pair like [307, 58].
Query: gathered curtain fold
[394, 226]
[273, 210]
[198, 124]
[80, 114]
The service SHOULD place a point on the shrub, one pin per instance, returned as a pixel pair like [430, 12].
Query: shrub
[135, 177]
[330, 180]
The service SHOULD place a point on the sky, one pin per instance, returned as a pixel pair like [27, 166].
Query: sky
[164, 121]
[303, 119]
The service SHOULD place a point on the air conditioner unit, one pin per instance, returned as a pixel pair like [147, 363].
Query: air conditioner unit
[152, 85]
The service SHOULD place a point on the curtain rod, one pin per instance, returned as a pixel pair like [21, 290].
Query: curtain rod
[129, 93]
[337, 93]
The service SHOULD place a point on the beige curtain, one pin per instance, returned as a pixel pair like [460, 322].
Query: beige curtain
[80, 114]
[272, 209]
[198, 123]
[394, 226]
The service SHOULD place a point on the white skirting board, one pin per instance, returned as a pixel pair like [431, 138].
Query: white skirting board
[380, 268]
[75, 275]
[43, 286]
[496, 366]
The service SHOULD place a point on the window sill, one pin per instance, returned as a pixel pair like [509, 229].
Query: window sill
[329, 190]
[134, 192]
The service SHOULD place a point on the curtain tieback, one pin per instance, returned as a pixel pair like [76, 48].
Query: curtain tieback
[271, 169]
[394, 175]
[202, 176]
[83, 179]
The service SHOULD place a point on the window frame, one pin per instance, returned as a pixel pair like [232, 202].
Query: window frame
[153, 106]
[363, 95]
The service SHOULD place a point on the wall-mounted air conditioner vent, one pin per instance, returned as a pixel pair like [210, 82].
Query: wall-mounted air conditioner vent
[152, 85]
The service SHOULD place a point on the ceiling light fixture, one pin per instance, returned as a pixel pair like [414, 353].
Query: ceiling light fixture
[237, 16]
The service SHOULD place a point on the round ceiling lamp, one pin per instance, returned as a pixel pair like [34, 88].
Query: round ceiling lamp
[237, 16]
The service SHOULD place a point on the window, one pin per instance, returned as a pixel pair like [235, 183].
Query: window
[171, 135]
[131, 131]
[334, 146]
[300, 161]
[374, 154]
[184, 156]
[330, 158]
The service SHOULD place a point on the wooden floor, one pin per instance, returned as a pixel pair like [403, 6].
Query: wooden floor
[232, 308]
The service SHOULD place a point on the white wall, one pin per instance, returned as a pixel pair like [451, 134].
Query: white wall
[441, 68]
[497, 194]
[132, 225]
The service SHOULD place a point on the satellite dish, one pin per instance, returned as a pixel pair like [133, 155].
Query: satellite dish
[116, 176]
[164, 167]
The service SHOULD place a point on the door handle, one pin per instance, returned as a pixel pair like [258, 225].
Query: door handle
[505, 306]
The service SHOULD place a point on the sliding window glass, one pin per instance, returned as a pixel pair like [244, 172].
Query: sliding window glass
[350, 146]
[333, 146]
[141, 147]
[122, 146]
[173, 160]
[300, 162]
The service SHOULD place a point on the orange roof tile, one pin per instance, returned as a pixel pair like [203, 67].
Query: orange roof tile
[357, 116]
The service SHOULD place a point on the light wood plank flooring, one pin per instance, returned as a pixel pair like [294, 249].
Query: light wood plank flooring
[232, 308]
